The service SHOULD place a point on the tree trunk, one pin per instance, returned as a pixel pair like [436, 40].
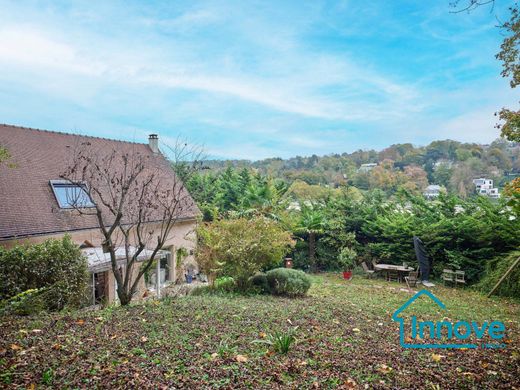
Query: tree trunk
[124, 297]
[312, 251]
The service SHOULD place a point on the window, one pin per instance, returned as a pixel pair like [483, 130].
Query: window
[70, 195]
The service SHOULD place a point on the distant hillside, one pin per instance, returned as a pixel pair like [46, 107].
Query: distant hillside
[451, 164]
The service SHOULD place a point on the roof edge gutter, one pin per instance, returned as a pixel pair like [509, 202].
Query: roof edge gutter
[23, 236]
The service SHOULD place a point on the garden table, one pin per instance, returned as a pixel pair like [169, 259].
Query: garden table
[392, 267]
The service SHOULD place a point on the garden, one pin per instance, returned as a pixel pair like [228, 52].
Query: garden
[258, 323]
[340, 335]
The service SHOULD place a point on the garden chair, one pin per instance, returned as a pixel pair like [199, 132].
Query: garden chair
[393, 275]
[448, 276]
[370, 273]
[412, 278]
[377, 272]
[460, 277]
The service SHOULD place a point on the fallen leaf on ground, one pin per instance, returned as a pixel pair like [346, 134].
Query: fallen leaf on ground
[356, 330]
[384, 369]
[16, 347]
[241, 358]
[436, 357]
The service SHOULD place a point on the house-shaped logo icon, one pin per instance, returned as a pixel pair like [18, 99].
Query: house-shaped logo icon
[434, 329]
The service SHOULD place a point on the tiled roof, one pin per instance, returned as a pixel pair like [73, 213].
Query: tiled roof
[27, 204]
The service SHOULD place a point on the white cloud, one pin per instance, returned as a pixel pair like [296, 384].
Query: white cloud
[295, 91]
[32, 48]
[186, 21]
[474, 126]
[258, 78]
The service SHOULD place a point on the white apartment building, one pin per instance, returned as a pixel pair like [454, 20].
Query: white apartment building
[485, 187]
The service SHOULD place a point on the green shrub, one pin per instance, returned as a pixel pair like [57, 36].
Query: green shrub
[241, 247]
[26, 303]
[225, 283]
[347, 258]
[56, 267]
[458, 233]
[288, 282]
[259, 282]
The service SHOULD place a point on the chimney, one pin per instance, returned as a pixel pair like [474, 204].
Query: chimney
[153, 142]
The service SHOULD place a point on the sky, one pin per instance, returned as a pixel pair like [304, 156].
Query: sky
[251, 80]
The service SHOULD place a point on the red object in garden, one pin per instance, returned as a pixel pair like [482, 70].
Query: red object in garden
[347, 275]
[288, 262]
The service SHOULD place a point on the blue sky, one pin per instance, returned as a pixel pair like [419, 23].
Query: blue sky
[254, 79]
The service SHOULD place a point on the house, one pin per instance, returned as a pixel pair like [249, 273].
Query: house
[364, 168]
[485, 187]
[432, 191]
[482, 183]
[35, 205]
[493, 193]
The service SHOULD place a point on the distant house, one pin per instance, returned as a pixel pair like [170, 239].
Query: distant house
[432, 191]
[364, 168]
[485, 187]
[35, 205]
[482, 183]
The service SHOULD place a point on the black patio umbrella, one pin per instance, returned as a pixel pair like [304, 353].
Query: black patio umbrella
[425, 262]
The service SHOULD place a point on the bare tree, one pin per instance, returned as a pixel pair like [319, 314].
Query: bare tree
[137, 200]
[470, 5]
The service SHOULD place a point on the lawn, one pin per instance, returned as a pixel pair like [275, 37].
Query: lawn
[345, 339]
